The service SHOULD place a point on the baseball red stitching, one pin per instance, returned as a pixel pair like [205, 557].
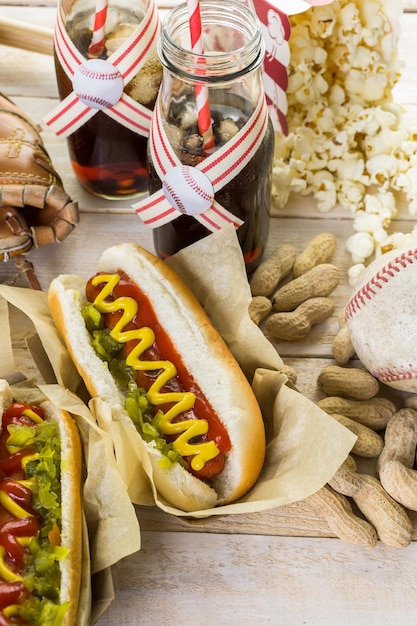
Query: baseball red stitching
[187, 173]
[372, 287]
[86, 97]
[175, 197]
[96, 75]
[391, 374]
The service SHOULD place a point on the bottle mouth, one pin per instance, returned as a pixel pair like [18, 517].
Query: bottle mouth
[231, 39]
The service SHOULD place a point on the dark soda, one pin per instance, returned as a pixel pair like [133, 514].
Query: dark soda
[108, 159]
[247, 196]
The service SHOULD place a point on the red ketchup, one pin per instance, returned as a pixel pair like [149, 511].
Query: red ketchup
[18, 520]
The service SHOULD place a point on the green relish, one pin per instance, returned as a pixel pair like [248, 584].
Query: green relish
[136, 403]
[42, 571]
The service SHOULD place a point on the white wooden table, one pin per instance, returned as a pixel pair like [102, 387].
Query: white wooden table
[281, 567]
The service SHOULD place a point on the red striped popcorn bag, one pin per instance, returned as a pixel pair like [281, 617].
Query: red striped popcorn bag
[350, 147]
[211, 143]
[108, 76]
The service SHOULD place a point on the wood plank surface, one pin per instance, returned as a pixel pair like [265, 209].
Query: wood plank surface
[193, 579]
[281, 567]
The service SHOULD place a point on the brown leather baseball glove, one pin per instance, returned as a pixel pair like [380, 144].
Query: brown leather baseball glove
[35, 210]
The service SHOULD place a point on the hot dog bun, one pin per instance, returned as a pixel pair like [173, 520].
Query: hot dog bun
[71, 531]
[204, 354]
[71, 508]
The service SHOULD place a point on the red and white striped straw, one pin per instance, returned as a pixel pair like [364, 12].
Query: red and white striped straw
[96, 46]
[202, 97]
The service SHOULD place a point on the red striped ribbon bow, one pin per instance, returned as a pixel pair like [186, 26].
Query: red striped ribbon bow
[219, 168]
[125, 62]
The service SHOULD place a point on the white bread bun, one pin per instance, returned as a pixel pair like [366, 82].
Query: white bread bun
[71, 508]
[204, 354]
[6, 396]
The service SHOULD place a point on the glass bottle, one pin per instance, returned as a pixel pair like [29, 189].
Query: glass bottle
[230, 70]
[108, 158]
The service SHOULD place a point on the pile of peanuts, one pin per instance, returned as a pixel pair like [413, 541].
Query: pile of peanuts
[384, 433]
[291, 294]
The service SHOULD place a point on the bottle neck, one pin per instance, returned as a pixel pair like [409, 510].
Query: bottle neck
[231, 37]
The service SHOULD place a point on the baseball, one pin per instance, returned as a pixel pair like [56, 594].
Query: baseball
[98, 84]
[188, 189]
[381, 317]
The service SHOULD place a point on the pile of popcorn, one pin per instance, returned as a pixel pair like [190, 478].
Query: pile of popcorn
[346, 143]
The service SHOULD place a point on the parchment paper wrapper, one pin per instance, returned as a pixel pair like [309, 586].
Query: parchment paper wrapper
[111, 529]
[305, 446]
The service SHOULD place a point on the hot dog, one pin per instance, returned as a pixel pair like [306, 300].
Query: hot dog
[142, 342]
[40, 514]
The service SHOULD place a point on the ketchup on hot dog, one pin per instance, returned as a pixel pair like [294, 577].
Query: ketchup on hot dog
[26, 520]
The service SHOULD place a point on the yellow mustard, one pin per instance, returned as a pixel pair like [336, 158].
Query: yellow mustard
[33, 416]
[5, 572]
[10, 505]
[183, 400]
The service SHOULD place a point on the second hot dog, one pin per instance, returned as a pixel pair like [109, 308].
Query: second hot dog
[40, 514]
